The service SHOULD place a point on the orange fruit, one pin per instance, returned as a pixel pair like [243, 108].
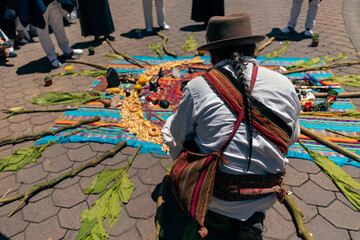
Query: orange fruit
[137, 87]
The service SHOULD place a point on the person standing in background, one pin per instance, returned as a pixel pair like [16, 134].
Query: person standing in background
[203, 10]
[160, 11]
[95, 19]
[310, 18]
[54, 17]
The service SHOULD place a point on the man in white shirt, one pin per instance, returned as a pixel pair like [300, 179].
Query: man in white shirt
[254, 151]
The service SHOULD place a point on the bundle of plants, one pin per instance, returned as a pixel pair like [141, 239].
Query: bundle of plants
[73, 99]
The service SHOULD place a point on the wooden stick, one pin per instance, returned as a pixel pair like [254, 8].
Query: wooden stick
[316, 87]
[320, 67]
[160, 118]
[264, 46]
[297, 216]
[87, 63]
[39, 187]
[6, 193]
[341, 134]
[21, 111]
[329, 144]
[49, 132]
[165, 38]
[198, 68]
[340, 95]
[126, 57]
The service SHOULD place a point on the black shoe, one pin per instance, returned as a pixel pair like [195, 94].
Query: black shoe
[111, 38]
[97, 39]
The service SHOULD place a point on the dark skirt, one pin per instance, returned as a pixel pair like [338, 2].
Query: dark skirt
[95, 18]
[203, 10]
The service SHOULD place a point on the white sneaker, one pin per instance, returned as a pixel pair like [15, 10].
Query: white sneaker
[10, 49]
[77, 51]
[74, 52]
[308, 33]
[165, 27]
[287, 30]
[56, 63]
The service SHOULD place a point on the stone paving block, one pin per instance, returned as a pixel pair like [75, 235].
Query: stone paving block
[64, 183]
[140, 188]
[355, 235]
[345, 201]
[54, 151]
[321, 229]
[74, 145]
[20, 236]
[294, 177]
[323, 181]
[312, 194]
[89, 172]
[303, 165]
[5, 174]
[41, 195]
[166, 162]
[146, 228]
[147, 209]
[31, 175]
[353, 171]
[24, 127]
[81, 154]
[128, 150]
[8, 185]
[144, 161]
[69, 218]
[19, 118]
[57, 164]
[5, 209]
[341, 216]
[112, 161]
[70, 235]
[68, 197]
[40, 210]
[5, 132]
[46, 230]
[122, 225]
[309, 211]
[13, 225]
[101, 147]
[277, 227]
[152, 175]
[132, 234]
[281, 209]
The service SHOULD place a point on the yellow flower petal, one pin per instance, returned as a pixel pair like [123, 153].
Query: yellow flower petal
[70, 67]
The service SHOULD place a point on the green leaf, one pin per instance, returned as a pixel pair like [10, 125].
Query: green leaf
[190, 44]
[277, 53]
[101, 181]
[115, 55]
[22, 157]
[338, 57]
[99, 231]
[350, 80]
[114, 209]
[156, 47]
[86, 228]
[126, 188]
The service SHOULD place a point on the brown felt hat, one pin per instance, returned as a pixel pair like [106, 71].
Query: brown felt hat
[230, 31]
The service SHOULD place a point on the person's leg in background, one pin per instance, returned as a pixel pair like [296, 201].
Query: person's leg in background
[311, 17]
[160, 11]
[147, 5]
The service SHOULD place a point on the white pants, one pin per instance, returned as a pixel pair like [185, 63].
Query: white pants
[311, 14]
[160, 11]
[53, 16]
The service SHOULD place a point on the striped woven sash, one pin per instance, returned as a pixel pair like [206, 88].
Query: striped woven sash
[265, 121]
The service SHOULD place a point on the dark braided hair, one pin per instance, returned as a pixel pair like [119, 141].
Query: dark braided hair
[239, 66]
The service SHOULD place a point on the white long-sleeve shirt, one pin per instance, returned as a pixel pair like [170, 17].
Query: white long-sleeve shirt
[204, 117]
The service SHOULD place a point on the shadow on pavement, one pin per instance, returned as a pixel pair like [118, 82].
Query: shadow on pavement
[194, 28]
[41, 65]
[3, 237]
[132, 34]
[87, 44]
[279, 36]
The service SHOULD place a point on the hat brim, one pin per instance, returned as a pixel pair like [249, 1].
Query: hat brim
[232, 42]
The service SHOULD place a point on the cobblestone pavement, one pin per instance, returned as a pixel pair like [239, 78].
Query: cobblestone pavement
[54, 213]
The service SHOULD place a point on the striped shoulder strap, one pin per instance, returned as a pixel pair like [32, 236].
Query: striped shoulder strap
[265, 121]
